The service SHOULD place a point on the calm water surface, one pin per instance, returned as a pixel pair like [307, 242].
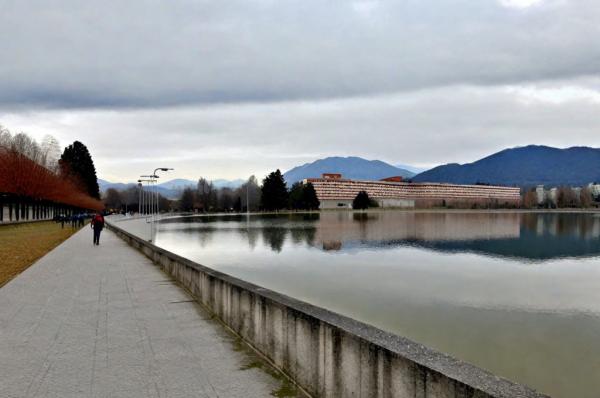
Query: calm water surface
[515, 293]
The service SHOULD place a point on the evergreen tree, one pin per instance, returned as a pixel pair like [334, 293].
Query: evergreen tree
[186, 203]
[274, 193]
[237, 206]
[361, 201]
[296, 196]
[309, 197]
[303, 197]
[76, 163]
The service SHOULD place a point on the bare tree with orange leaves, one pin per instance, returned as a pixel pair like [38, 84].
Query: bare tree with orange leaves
[28, 175]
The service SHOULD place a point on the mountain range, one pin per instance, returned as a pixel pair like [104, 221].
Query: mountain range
[523, 166]
[350, 167]
[171, 189]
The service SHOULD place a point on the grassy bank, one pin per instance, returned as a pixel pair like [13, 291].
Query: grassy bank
[22, 244]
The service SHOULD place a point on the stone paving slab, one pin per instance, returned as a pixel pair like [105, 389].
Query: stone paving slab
[103, 321]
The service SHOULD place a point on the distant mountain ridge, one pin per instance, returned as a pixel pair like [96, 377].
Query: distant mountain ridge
[171, 189]
[350, 167]
[523, 166]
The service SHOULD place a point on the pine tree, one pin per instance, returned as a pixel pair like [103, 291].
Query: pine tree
[186, 203]
[274, 193]
[76, 164]
[296, 196]
[309, 197]
[361, 201]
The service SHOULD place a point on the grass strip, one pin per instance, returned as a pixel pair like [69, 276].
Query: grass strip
[21, 245]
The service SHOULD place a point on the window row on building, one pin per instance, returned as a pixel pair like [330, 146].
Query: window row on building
[408, 194]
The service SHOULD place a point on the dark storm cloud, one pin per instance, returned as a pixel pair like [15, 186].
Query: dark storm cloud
[79, 54]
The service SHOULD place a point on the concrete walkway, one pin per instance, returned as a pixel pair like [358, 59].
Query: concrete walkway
[87, 321]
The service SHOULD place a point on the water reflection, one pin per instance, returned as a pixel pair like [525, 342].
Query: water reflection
[515, 293]
[521, 236]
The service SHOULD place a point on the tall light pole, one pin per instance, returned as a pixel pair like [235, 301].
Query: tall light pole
[149, 180]
[156, 188]
[154, 207]
[143, 197]
[139, 197]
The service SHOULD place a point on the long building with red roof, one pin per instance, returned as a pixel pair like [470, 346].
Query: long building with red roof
[334, 191]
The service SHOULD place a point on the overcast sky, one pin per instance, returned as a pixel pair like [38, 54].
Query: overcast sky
[225, 89]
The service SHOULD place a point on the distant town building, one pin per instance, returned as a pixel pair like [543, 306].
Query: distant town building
[594, 188]
[540, 194]
[338, 192]
[550, 196]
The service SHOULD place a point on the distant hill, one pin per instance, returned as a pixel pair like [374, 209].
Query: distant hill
[104, 185]
[167, 193]
[349, 167]
[178, 184]
[171, 189]
[412, 169]
[524, 166]
[181, 183]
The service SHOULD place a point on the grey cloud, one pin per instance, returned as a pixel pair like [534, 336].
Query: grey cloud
[450, 124]
[115, 54]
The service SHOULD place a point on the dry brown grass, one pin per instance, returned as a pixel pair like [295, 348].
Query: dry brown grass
[22, 244]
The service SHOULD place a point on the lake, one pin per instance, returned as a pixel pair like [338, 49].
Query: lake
[515, 293]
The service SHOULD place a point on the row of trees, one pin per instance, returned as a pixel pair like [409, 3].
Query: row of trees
[272, 195]
[206, 197]
[276, 196]
[31, 172]
[128, 199]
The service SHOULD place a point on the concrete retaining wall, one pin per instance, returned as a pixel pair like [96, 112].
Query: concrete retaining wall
[327, 354]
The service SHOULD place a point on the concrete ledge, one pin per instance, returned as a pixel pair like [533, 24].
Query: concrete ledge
[328, 354]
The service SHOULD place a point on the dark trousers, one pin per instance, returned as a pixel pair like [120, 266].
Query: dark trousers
[97, 236]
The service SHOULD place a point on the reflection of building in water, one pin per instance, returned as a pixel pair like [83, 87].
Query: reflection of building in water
[529, 236]
[580, 226]
[396, 226]
[333, 191]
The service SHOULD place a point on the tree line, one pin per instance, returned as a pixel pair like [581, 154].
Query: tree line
[31, 172]
[272, 195]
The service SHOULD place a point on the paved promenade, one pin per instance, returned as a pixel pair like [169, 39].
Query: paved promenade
[87, 321]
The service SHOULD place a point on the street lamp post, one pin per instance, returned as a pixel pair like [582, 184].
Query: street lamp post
[139, 197]
[156, 188]
[154, 208]
[150, 180]
[143, 197]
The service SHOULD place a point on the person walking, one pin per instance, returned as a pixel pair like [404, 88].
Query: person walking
[97, 224]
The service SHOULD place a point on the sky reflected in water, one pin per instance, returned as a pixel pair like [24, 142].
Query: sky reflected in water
[515, 293]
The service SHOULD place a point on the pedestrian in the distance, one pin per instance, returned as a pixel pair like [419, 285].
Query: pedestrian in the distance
[97, 225]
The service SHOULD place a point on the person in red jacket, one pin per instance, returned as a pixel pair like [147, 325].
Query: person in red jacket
[97, 225]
